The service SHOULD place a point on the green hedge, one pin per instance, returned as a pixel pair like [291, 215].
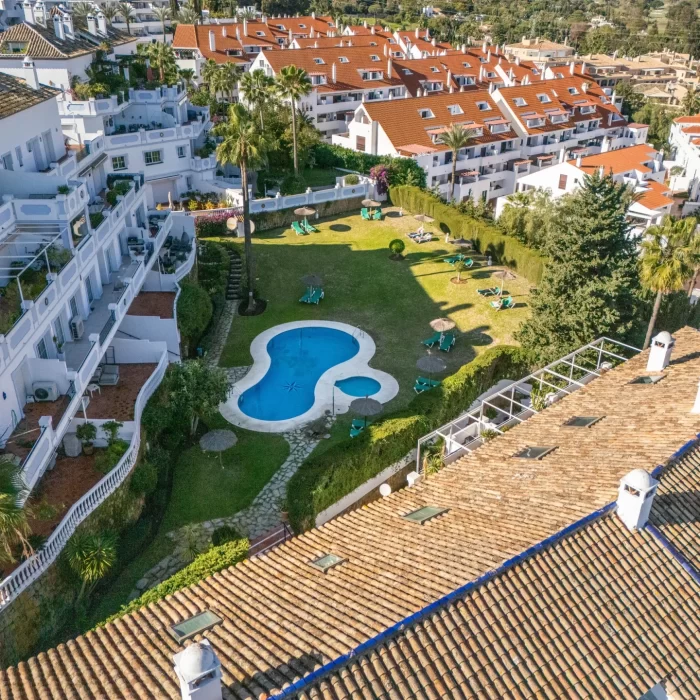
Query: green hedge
[489, 240]
[324, 479]
[213, 560]
[282, 218]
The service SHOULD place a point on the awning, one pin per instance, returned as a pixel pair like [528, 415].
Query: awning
[163, 177]
[521, 162]
[546, 157]
[98, 161]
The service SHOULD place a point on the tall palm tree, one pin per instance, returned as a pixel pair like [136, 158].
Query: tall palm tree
[690, 104]
[669, 255]
[110, 11]
[186, 15]
[187, 74]
[162, 58]
[245, 146]
[82, 9]
[226, 79]
[456, 137]
[162, 14]
[174, 9]
[91, 555]
[257, 88]
[209, 71]
[127, 12]
[14, 528]
[292, 84]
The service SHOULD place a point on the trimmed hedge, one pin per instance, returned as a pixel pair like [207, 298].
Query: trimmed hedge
[505, 250]
[282, 218]
[214, 560]
[324, 479]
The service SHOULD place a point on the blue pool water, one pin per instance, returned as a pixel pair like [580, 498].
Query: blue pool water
[358, 386]
[298, 358]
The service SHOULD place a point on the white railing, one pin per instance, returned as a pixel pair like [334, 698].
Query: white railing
[30, 570]
[258, 206]
[187, 266]
[513, 405]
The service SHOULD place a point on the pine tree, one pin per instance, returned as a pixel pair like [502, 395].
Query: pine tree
[588, 288]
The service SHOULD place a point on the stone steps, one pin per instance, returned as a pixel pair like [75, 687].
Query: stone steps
[269, 540]
[235, 274]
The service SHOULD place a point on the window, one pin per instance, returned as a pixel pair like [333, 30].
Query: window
[192, 626]
[435, 69]
[360, 143]
[651, 379]
[423, 515]
[406, 71]
[319, 61]
[302, 26]
[374, 57]
[426, 114]
[181, 152]
[483, 106]
[7, 161]
[58, 332]
[119, 163]
[18, 153]
[152, 157]
[466, 65]
[344, 59]
[533, 452]
[455, 109]
[573, 91]
[582, 421]
[544, 99]
[326, 562]
[562, 182]
[41, 350]
[259, 33]
[519, 102]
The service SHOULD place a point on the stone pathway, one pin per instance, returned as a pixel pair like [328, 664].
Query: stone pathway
[221, 333]
[260, 517]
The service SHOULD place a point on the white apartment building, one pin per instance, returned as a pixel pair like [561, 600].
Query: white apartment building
[641, 167]
[539, 50]
[86, 304]
[685, 145]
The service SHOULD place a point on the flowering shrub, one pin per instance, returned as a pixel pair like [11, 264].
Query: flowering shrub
[380, 173]
[214, 224]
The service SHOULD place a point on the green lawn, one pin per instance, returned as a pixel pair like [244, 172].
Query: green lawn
[392, 301]
[316, 177]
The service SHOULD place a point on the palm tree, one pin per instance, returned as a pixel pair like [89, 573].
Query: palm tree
[162, 14]
[110, 11]
[127, 12]
[293, 83]
[174, 9]
[669, 255]
[245, 146]
[82, 9]
[162, 57]
[14, 528]
[690, 104]
[226, 79]
[456, 137]
[186, 15]
[257, 88]
[209, 71]
[91, 555]
[187, 74]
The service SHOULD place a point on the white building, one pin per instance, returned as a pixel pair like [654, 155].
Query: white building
[685, 144]
[640, 167]
[539, 49]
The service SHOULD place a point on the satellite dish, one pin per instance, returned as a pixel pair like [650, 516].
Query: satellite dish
[385, 490]
[241, 232]
[231, 223]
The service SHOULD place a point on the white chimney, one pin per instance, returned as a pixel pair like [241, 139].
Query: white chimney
[434, 41]
[311, 33]
[212, 40]
[371, 31]
[579, 159]
[483, 47]
[417, 33]
[28, 12]
[58, 27]
[572, 68]
[92, 24]
[223, 31]
[388, 68]
[449, 76]
[464, 48]
[427, 33]
[238, 33]
[517, 60]
[199, 672]
[102, 23]
[488, 56]
[68, 26]
[313, 15]
[660, 352]
[245, 27]
[333, 73]
[30, 74]
[635, 497]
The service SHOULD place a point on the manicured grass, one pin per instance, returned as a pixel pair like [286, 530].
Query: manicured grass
[392, 301]
[315, 177]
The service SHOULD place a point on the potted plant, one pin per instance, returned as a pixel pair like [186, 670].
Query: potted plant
[86, 433]
[284, 512]
[63, 189]
[60, 355]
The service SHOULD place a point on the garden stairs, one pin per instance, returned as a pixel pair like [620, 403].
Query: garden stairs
[235, 274]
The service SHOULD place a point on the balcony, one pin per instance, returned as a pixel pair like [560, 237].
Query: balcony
[200, 164]
[95, 106]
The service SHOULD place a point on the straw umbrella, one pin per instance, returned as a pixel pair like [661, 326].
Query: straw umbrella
[312, 281]
[366, 407]
[305, 212]
[431, 364]
[442, 325]
[218, 441]
[370, 204]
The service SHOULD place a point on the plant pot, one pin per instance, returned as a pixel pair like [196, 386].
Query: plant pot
[88, 448]
[61, 356]
[284, 516]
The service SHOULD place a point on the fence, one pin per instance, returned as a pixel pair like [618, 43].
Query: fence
[30, 570]
[260, 206]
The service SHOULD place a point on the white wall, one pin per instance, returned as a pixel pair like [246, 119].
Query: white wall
[53, 73]
[155, 329]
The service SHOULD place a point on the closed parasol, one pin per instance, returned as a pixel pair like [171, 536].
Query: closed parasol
[218, 441]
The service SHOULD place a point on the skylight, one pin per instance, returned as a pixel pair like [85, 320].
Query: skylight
[582, 421]
[544, 99]
[406, 71]
[533, 452]
[426, 114]
[466, 65]
[374, 57]
[573, 91]
[520, 102]
[259, 33]
[344, 59]
[648, 379]
[435, 69]
[319, 61]
[423, 515]
[455, 109]
[194, 625]
[483, 106]
[326, 562]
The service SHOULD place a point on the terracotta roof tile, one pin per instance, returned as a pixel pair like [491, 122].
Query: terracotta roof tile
[655, 195]
[16, 95]
[189, 36]
[620, 160]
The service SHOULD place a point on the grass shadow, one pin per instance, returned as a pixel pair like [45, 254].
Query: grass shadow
[340, 228]
[392, 215]
[478, 336]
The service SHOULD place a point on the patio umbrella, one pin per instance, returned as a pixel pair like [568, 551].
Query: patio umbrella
[431, 364]
[366, 407]
[312, 281]
[218, 441]
[442, 324]
[370, 204]
[305, 212]
[505, 275]
[424, 218]
[462, 242]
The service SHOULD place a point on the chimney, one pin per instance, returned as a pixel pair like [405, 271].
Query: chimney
[517, 60]
[58, 27]
[579, 159]
[635, 497]
[417, 33]
[102, 23]
[660, 352]
[365, 25]
[212, 40]
[572, 68]
[449, 76]
[313, 15]
[427, 33]
[29, 12]
[388, 68]
[484, 47]
[199, 672]
[311, 33]
[68, 26]
[481, 73]
[434, 41]
[291, 36]
[223, 31]
[386, 50]
[238, 33]
[464, 48]
[372, 31]
[30, 74]
[245, 27]
[92, 24]
[488, 56]
[264, 19]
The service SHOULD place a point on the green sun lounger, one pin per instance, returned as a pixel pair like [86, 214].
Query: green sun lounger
[434, 338]
[357, 427]
[309, 228]
[448, 340]
[306, 299]
[490, 292]
[316, 296]
[377, 216]
[422, 384]
[507, 303]
[364, 213]
[454, 258]
[298, 229]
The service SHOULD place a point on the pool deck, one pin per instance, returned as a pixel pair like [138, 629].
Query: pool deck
[326, 399]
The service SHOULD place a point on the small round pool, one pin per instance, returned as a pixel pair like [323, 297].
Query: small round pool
[358, 386]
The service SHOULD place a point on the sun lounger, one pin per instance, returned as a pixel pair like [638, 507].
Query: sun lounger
[306, 298]
[448, 340]
[298, 229]
[316, 296]
[424, 238]
[490, 292]
[377, 216]
[364, 213]
[110, 375]
[506, 303]
[356, 428]
[422, 384]
[309, 228]
[434, 338]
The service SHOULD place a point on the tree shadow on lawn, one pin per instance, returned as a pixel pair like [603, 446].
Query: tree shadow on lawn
[481, 274]
[340, 228]
[478, 336]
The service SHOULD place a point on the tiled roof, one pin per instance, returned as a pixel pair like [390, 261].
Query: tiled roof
[694, 129]
[16, 95]
[689, 119]
[655, 195]
[326, 42]
[538, 45]
[282, 618]
[560, 97]
[402, 123]
[42, 43]
[188, 36]
[621, 160]
[302, 25]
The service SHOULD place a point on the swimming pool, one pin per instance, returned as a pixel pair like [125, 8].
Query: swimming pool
[303, 370]
[298, 358]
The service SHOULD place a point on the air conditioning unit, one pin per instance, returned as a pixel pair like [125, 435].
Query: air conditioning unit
[45, 391]
[76, 328]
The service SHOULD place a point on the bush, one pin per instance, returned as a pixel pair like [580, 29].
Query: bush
[107, 459]
[504, 250]
[292, 184]
[212, 225]
[144, 479]
[397, 246]
[194, 310]
[325, 478]
[264, 221]
[211, 562]
[224, 534]
[351, 179]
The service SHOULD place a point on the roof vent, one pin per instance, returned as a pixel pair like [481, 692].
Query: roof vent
[635, 497]
[192, 626]
[648, 379]
[423, 515]
[660, 352]
[326, 562]
[534, 452]
[199, 672]
[582, 421]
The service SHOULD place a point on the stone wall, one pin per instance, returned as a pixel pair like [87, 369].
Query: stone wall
[284, 217]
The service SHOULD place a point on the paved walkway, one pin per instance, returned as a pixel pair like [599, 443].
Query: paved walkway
[222, 331]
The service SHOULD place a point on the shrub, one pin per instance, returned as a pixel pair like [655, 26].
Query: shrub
[194, 310]
[211, 562]
[325, 478]
[504, 250]
[63, 189]
[397, 246]
[144, 479]
[107, 459]
[292, 184]
[224, 534]
[111, 197]
[351, 179]
[213, 225]
[193, 205]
